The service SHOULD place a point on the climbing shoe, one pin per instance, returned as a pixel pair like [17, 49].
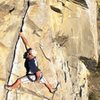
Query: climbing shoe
[53, 90]
[7, 87]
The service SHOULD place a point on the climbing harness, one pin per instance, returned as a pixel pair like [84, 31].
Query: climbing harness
[33, 77]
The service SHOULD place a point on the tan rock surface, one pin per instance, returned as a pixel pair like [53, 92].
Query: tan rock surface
[64, 34]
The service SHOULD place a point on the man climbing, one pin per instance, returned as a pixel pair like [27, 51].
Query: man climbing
[33, 73]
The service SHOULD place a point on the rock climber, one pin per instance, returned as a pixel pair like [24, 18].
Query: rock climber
[33, 73]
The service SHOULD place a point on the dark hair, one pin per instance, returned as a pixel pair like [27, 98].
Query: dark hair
[25, 54]
[29, 49]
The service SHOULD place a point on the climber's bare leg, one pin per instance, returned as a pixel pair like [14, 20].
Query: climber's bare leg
[49, 86]
[15, 85]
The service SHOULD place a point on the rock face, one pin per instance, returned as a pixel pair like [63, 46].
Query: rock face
[63, 32]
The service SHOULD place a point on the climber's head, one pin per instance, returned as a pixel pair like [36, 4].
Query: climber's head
[30, 53]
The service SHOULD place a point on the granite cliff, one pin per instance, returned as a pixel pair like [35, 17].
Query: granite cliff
[63, 32]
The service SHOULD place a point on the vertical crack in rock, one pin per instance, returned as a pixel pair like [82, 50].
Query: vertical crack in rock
[81, 89]
[65, 77]
[80, 92]
[68, 69]
[64, 71]
[27, 5]
[12, 67]
[70, 75]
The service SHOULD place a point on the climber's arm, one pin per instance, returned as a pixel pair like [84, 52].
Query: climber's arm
[26, 43]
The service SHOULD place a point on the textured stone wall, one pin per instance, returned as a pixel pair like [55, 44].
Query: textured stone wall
[64, 34]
